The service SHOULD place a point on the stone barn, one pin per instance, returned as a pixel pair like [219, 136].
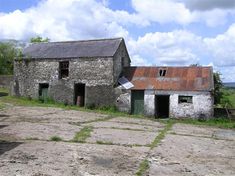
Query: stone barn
[76, 72]
[178, 92]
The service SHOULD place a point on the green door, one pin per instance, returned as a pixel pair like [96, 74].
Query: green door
[43, 92]
[137, 102]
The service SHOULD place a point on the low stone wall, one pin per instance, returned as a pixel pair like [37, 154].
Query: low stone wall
[5, 81]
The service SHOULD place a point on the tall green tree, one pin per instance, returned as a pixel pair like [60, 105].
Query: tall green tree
[39, 39]
[7, 54]
[218, 85]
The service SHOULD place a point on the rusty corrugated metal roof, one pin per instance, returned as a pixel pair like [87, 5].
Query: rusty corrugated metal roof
[175, 79]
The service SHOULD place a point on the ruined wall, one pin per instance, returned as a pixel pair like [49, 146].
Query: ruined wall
[123, 99]
[96, 73]
[201, 107]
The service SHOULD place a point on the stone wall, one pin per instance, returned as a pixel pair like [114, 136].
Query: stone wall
[93, 72]
[5, 81]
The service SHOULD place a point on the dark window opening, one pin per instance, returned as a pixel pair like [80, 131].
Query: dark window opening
[64, 69]
[162, 72]
[185, 99]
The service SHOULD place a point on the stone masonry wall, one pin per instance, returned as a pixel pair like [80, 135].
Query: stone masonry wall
[90, 71]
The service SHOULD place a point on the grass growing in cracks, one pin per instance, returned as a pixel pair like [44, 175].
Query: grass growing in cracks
[83, 134]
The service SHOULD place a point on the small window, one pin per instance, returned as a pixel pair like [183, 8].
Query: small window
[64, 69]
[162, 72]
[185, 99]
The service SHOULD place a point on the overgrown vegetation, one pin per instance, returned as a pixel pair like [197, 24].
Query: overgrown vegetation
[56, 138]
[7, 54]
[228, 98]
[39, 39]
[217, 87]
[144, 166]
[83, 134]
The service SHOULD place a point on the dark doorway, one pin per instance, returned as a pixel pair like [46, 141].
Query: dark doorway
[79, 94]
[43, 92]
[162, 106]
[137, 102]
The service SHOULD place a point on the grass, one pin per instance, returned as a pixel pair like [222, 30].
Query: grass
[144, 166]
[56, 138]
[32, 138]
[104, 143]
[161, 135]
[228, 96]
[112, 112]
[215, 122]
[83, 134]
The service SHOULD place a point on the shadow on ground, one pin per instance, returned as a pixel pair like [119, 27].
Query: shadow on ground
[7, 146]
[2, 94]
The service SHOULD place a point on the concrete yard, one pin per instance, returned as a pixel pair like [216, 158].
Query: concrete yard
[116, 145]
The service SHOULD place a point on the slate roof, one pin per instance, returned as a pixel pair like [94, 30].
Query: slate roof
[176, 78]
[73, 49]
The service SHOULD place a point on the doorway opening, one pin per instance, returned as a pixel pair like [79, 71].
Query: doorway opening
[43, 92]
[162, 106]
[79, 94]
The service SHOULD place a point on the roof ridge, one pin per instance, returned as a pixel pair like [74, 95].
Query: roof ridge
[75, 41]
[169, 66]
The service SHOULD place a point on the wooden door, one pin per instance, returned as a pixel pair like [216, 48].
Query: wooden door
[137, 102]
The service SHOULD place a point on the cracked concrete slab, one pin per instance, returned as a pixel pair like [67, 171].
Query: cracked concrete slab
[51, 158]
[123, 137]
[192, 156]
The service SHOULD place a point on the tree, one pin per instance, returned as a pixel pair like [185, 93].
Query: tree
[39, 39]
[7, 54]
[217, 87]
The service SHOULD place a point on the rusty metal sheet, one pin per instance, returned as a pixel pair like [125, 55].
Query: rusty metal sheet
[176, 78]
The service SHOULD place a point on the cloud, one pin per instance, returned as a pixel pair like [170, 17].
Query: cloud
[167, 48]
[205, 5]
[222, 47]
[163, 11]
[67, 20]
[182, 11]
